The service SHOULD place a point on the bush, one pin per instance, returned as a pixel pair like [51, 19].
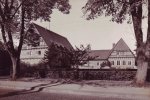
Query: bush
[118, 74]
[148, 75]
[37, 70]
[40, 71]
[5, 63]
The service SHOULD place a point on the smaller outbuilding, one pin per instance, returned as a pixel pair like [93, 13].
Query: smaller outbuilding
[119, 57]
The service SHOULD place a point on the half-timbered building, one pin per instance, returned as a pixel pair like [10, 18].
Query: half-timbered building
[34, 54]
[120, 57]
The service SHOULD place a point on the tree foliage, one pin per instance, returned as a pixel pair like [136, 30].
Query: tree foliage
[61, 57]
[32, 38]
[106, 64]
[43, 8]
[5, 60]
[121, 10]
[15, 17]
[57, 56]
[80, 56]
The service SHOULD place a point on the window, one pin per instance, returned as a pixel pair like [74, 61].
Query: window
[112, 62]
[124, 62]
[122, 53]
[114, 53]
[118, 62]
[97, 63]
[29, 53]
[117, 53]
[129, 62]
[39, 52]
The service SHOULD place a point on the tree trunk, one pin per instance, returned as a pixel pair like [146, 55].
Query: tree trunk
[141, 72]
[18, 67]
[15, 68]
[142, 62]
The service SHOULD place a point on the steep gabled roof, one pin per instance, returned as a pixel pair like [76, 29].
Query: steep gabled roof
[100, 54]
[121, 46]
[104, 54]
[51, 37]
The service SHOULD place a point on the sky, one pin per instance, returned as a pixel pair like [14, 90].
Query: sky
[100, 33]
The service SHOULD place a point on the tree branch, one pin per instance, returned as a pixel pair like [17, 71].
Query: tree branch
[10, 43]
[136, 13]
[6, 7]
[2, 3]
[17, 9]
[3, 33]
[1, 12]
[22, 31]
[148, 29]
[11, 4]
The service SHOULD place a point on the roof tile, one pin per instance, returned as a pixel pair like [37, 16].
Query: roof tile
[50, 37]
[100, 54]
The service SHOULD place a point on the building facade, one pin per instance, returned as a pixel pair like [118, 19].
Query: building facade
[35, 54]
[120, 57]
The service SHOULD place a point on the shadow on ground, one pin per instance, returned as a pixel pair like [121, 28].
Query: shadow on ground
[4, 77]
[34, 89]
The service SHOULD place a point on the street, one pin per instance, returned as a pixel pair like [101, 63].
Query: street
[6, 94]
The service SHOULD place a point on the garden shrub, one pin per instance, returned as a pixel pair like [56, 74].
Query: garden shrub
[5, 62]
[40, 71]
[148, 75]
[115, 74]
[36, 70]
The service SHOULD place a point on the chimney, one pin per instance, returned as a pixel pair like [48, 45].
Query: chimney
[113, 45]
[88, 47]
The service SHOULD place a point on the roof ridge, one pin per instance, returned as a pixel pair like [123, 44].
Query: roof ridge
[101, 54]
[50, 36]
[119, 42]
[49, 30]
[102, 50]
[121, 39]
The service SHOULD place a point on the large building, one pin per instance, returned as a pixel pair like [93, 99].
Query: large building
[34, 54]
[120, 57]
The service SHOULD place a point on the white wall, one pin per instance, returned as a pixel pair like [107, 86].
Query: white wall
[126, 60]
[95, 64]
[33, 55]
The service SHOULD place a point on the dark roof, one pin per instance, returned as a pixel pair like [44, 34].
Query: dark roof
[51, 37]
[99, 54]
[104, 54]
[121, 46]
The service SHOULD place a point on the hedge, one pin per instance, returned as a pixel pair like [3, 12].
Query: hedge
[93, 74]
[148, 75]
[101, 74]
[82, 74]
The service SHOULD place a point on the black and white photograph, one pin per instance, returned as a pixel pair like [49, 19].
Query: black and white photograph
[74, 49]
